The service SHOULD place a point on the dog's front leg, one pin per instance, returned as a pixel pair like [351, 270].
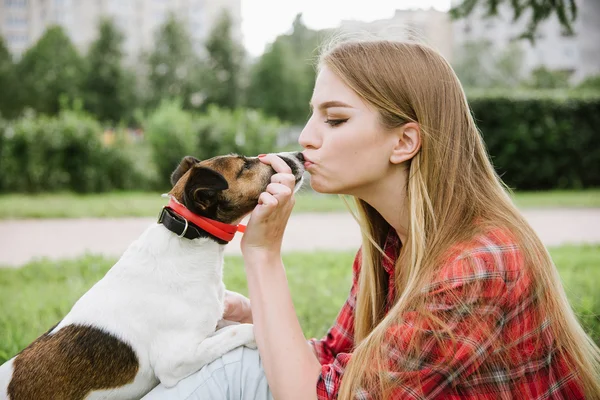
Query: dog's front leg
[211, 348]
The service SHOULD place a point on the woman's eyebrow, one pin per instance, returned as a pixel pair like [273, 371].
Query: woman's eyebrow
[330, 104]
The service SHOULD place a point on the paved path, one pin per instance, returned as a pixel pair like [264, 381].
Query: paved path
[24, 240]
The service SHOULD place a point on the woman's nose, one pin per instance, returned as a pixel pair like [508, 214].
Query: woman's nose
[309, 137]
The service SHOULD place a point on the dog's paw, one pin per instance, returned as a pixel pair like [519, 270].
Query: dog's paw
[251, 345]
[169, 381]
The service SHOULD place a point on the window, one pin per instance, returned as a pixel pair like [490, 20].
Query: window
[17, 39]
[16, 3]
[17, 22]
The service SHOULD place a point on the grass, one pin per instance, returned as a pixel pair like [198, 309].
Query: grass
[37, 296]
[140, 204]
[559, 198]
[121, 204]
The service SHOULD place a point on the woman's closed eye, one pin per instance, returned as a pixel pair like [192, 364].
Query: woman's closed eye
[335, 122]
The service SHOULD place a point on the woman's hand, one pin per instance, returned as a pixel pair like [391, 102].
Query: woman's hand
[237, 308]
[264, 233]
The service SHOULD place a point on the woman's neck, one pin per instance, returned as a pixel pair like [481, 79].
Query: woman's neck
[390, 198]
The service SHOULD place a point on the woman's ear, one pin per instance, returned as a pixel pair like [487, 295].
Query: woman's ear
[407, 142]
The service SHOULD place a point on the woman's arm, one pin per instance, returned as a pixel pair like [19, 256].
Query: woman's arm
[291, 367]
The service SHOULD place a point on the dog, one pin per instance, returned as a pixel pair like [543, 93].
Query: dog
[152, 318]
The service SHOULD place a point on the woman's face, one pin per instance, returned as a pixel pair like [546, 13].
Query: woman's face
[346, 148]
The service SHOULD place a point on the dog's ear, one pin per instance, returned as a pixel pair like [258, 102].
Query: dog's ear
[186, 163]
[202, 188]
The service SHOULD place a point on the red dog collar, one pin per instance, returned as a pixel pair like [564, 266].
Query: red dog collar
[218, 229]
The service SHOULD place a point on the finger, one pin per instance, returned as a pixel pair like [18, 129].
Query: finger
[267, 199]
[277, 163]
[279, 191]
[285, 179]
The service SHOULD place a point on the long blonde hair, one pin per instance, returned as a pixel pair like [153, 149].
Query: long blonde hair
[451, 184]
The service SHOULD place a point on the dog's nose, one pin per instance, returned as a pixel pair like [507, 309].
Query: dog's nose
[293, 166]
[300, 157]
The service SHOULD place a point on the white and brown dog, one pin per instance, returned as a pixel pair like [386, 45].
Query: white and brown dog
[153, 316]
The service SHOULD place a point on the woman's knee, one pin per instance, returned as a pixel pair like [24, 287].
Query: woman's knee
[236, 375]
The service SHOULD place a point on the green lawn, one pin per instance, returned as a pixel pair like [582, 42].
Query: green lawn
[139, 204]
[37, 296]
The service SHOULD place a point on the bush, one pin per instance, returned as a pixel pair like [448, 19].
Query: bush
[65, 152]
[541, 140]
[174, 133]
[168, 130]
[242, 131]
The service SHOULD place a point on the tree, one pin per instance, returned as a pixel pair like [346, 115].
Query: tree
[544, 78]
[222, 78]
[471, 64]
[565, 10]
[275, 86]
[508, 66]
[283, 79]
[52, 69]
[590, 83]
[172, 65]
[8, 102]
[109, 89]
[477, 66]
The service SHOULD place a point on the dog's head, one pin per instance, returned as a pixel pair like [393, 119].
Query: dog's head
[226, 188]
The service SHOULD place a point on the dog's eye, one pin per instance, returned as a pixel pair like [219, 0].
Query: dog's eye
[246, 166]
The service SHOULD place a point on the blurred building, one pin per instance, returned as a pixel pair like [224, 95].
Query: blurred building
[429, 26]
[22, 22]
[578, 55]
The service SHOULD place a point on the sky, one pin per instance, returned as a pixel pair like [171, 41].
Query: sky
[264, 20]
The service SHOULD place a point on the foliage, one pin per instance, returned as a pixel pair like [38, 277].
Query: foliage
[222, 77]
[50, 70]
[169, 132]
[8, 83]
[37, 296]
[539, 140]
[241, 131]
[590, 83]
[283, 78]
[476, 65]
[174, 133]
[109, 89]
[63, 152]
[172, 65]
[544, 78]
[565, 10]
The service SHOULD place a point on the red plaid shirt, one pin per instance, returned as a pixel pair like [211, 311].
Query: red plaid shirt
[503, 319]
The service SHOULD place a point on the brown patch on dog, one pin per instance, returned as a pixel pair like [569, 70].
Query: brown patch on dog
[246, 179]
[223, 188]
[70, 364]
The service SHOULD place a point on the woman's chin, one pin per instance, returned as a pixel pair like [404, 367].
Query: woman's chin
[320, 188]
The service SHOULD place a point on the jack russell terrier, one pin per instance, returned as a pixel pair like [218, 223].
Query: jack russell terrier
[152, 318]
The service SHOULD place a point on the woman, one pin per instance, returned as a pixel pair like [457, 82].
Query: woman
[454, 295]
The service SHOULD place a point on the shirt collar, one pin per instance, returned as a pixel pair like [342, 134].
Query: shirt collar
[391, 248]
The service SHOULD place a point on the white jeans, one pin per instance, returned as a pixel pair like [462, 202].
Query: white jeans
[238, 375]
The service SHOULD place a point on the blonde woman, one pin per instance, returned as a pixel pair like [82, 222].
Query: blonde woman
[454, 295]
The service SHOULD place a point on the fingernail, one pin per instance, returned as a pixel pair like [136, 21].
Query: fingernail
[261, 155]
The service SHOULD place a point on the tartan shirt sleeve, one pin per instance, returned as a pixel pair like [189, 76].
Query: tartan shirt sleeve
[475, 322]
[340, 337]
